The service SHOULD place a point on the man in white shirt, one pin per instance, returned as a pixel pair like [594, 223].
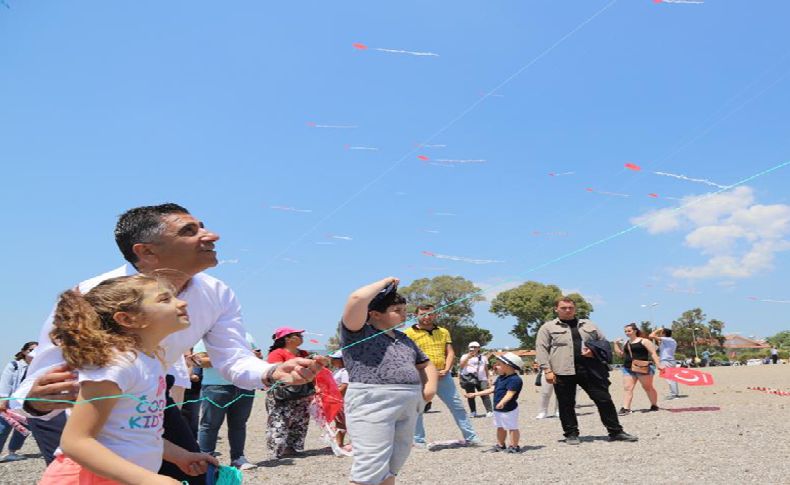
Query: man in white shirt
[154, 239]
[667, 347]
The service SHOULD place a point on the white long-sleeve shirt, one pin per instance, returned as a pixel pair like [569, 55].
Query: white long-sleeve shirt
[214, 316]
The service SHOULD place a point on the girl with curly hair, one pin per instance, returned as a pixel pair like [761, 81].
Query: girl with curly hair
[111, 336]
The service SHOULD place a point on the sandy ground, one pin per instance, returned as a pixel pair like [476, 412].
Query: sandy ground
[746, 439]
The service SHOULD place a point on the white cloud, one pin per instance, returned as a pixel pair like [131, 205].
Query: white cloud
[739, 237]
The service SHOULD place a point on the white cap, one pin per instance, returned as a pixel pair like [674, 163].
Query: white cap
[474, 344]
[337, 355]
[512, 360]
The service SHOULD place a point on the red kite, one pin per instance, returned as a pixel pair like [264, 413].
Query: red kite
[688, 377]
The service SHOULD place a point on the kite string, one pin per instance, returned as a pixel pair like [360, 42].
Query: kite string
[549, 262]
[444, 128]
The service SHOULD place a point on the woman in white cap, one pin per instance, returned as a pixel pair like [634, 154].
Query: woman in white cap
[474, 377]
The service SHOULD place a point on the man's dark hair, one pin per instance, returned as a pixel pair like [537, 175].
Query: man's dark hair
[142, 225]
[667, 332]
[563, 299]
[381, 304]
[426, 306]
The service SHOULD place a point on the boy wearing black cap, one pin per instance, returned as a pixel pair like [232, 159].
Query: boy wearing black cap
[506, 390]
[390, 378]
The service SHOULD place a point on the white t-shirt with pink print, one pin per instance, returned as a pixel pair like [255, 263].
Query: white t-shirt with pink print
[134, 428]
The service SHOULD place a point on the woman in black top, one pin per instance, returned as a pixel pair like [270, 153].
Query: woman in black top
[642, 351]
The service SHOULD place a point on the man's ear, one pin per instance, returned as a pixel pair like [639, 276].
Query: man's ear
[145, 253]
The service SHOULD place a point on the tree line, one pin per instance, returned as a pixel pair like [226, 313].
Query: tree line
[531, 304]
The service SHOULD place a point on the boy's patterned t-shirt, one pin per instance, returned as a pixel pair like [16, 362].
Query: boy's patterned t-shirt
[380, 359]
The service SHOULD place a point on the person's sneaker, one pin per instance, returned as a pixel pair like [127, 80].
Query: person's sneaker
[623, 436]
[242, 464]
[513, 449]
[671, 397]
[497, 448]
[419, 445]
[11, 456]
[490, 414]
[473, 442]
[654, 408]
[557, 414]
[572, 440]
[541, 416]
[624, 412]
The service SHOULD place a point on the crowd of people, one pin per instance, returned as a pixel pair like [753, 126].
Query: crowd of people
[167, 341]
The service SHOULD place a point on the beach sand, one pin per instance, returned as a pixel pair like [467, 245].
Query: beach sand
[724, 433]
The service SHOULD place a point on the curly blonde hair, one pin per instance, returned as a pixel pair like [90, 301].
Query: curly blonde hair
[85, 329]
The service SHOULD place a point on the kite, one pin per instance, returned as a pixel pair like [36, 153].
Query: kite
[769, 390]
[767, 300]
[286, 208]
[550, 234]
[425, 145]
[492, 94]
[653, 195]
[555, 174]
[633, 166]
[312, 124]
[461, 258]
[688, 377]
[431, 231]
[698, 2]
[689, 291]
[693, 409]
[342, 238]
[689, 179]
[324, 407]
[363, 47]
[290, 260]
[423, 158]
[324, 243]
[603, 192]
[371, 149]
[401, 193]
[228, 261]
[314, 341]
[441, 213]
[16, 421]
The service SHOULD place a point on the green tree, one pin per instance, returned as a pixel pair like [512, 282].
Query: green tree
[646, 327]
[456, 297]
[781, 340]
[682, 328]
[692, 324]
[533, 303]
[715, 331]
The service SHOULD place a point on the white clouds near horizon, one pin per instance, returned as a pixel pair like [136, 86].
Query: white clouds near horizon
[739, 237]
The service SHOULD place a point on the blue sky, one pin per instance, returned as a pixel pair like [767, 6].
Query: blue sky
[106, 106]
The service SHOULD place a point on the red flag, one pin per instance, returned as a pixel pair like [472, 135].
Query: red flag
[688, 377]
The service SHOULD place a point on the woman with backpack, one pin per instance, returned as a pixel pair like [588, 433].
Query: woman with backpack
[474, 377]
[13, 374]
